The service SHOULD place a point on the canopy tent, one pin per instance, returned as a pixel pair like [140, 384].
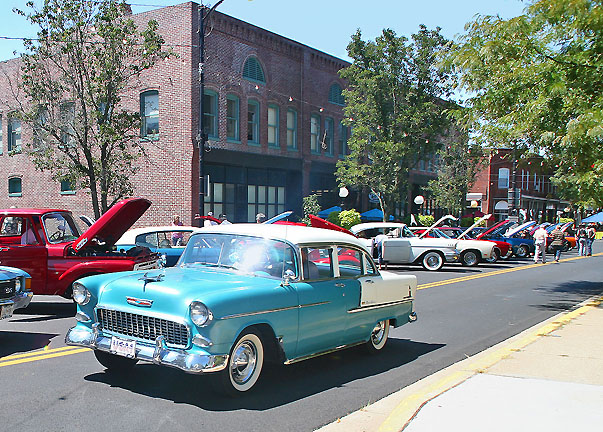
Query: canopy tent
[326, 212]
[374, 215]
[597, 217]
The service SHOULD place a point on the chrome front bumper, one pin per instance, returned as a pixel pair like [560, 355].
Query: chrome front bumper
[158, 353]
[20, 301]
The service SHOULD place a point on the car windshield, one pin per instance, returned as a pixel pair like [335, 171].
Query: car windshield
[251, 255]
[60, 227]
[440, 234]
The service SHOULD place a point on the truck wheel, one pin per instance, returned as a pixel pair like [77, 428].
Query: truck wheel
[470, 258]
[113, 362]
[432, 261]
[244, 366]
[378, 337]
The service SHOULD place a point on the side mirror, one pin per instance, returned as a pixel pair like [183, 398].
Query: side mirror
[288, 276]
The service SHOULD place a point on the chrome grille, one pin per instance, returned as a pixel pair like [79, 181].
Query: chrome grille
[7, 288]
[148, 265]
[143, 327]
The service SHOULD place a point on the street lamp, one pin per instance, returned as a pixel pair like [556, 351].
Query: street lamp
[343, 193]
[473, 207]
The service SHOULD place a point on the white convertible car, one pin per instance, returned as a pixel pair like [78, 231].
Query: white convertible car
[404, 247]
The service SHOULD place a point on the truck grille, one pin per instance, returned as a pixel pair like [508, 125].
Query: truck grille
[148, 265]
[7, 288]
[143, 327]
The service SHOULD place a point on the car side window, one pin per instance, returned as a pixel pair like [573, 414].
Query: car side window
[350, 262]
[368, 265]
[147, 240]
[317, 263]
[11, 226]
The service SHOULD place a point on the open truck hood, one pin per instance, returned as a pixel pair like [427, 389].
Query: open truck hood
[113, 224]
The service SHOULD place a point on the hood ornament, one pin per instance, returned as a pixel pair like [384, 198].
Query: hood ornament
[146, 278]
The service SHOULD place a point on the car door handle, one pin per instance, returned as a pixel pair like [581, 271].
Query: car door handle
[369, 281]
[340, 285]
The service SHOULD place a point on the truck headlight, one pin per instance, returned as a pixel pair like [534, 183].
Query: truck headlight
[17, 284]
[81, 295]
[200, 314]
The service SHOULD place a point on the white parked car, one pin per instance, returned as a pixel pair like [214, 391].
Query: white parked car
[403, 247]
[472, 252]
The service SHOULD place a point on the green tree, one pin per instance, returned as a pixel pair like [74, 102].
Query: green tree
[74, 74]
[310, 207]
[536, 82]
[349, 218]
[394, 106]
[458, 164]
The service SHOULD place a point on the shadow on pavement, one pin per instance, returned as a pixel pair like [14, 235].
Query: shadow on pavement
[20, 342]
[45, 311]
[278, 385]
[569, 294]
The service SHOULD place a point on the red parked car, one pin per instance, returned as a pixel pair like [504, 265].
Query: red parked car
[501, 250]
[48, 244]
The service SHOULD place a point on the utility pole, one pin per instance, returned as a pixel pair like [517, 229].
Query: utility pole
[201, 134]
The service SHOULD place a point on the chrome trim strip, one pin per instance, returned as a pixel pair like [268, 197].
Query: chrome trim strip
[245, 314]
[298, 359]
[380, 305]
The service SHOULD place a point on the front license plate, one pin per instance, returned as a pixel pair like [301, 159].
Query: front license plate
[123, 347]
[6, 311]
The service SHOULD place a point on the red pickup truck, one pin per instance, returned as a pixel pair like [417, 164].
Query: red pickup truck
[49, 245]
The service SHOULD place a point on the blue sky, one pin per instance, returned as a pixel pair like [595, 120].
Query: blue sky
[325, 25]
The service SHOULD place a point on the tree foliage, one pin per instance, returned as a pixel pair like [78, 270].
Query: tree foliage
[458, 163]
[394, 106]
[74, 74]
[310, 207]
[537, 81]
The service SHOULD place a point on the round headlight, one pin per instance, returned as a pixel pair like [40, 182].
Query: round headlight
[200, 314]
[18, 284]
[81, 295]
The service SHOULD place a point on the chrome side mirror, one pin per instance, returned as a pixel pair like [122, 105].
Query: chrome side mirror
[288, 276]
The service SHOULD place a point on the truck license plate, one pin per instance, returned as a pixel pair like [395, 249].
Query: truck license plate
[6, 311]
[123, 347]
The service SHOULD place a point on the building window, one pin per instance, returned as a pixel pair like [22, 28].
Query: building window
[269, 200]
[503, 178]
[328, 136]
[210, 113]
[14, 187]
[253, 122]
[14, 135]
[314, 133]
[252, 70]
[232, 118]
[343, 140]
[222, 196]
[149, 111]
[67, 187]
[291, 129]
[335, 95]
[273, 121]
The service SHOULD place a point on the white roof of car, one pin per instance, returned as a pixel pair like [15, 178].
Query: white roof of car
[292, 233]
[129, 236]
[370, 225]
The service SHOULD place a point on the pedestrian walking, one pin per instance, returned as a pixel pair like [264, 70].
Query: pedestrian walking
[558, 240]
[378, 243]
[224, 220]
[176, 235]
[590, 238]
[581, 239]
[540, 242]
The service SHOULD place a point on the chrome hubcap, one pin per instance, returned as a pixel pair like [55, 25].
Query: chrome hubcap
[378, 332]
[433, 261]
[243, 362]
[470, 258]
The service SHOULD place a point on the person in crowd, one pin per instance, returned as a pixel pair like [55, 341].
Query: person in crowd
[558, 239]
[209, 222]
[378, 243]
[581, 239]
[176, 235]
[590, 238]
[260, 218]
[224, 220]
[540, 242]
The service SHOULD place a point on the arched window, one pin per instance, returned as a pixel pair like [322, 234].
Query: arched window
[252, 70]
[335, 95]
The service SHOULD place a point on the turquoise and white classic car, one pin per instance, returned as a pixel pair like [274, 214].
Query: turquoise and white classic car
[15, 290]
[241, 295]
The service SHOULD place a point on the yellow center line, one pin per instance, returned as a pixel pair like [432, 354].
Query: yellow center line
[35, 353]
[495, 272]
[42, 356]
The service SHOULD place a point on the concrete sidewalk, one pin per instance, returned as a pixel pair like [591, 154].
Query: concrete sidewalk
[549, 377]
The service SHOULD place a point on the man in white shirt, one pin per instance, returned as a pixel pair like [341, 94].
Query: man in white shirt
[540, 242]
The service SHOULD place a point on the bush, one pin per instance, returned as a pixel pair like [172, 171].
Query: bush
[310, 206]
[467, 222]
[426, 220]
[349, 218]
[565, 220]
[334, 218]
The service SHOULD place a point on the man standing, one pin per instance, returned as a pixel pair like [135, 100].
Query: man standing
[582, 240]
[558, 238]
[590, 238]
[540, 242]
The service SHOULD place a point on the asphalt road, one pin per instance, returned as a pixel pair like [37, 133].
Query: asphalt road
[461, 311]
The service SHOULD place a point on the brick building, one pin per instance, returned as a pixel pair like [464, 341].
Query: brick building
[535, 195]
[272, 113]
